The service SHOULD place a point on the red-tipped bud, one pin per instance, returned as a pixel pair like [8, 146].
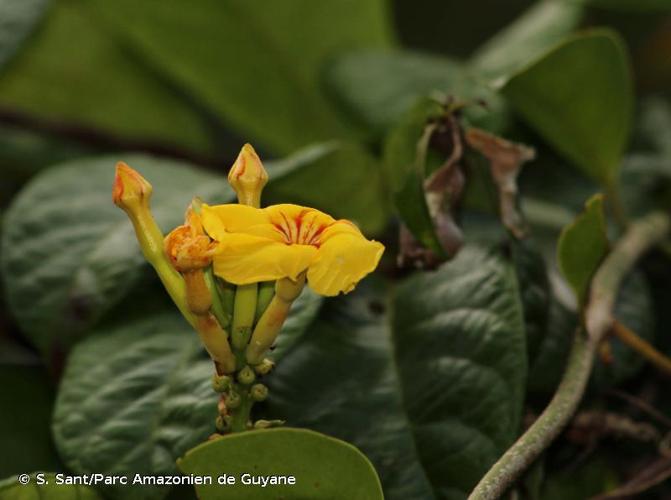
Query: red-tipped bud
[248, 177]
[131, 191]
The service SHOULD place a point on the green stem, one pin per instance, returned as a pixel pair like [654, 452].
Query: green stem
[543, 431]
[266, 293]
[641, 235]
[244, 311]
[271, 321]
[150, 238]
[227, 294]
[218, 307]
[241, 414]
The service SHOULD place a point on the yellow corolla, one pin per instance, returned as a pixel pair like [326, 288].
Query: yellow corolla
[285, 240]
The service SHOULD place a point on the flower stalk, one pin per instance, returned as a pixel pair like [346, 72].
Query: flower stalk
[132, 193]
[244, 311]
[270, 323]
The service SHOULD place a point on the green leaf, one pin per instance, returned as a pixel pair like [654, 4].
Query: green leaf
[17, 19]
[134, 397]
[536, 30]
[137, 393]
[341, 179]
[377, 87]
[257, 68]
[579, 98]
[581, 247]
[461, 354]
[25, 433]
[432, 399]
[322, 467]
[68, 254]
[104, 86]
[11, 489]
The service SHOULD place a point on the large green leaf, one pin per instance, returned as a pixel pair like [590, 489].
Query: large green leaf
[69, 254]
[256, 66]
[43, 486]
[377, 87]
[581, 247]
[461, 354]
[433, 399]
[99, 84]
[321, 467]
[17, 20]
[137, 393]
[133, 398]
[544, 24]
[579, 98]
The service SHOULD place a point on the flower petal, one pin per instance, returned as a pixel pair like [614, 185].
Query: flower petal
[219, 220]
[243, 259]
[343, 259]
[298, 224]
[341, 226]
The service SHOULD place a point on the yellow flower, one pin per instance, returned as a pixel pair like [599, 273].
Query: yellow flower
[285, 240]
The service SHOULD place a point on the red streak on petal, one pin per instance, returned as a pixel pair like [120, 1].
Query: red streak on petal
[315, 238]
[117, 189]
[243, 165]
[282, 230]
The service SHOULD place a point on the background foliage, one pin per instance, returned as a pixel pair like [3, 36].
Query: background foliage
[432, 374]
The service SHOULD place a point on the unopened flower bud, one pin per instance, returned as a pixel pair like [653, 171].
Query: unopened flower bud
[246, 376]
[221, 383]
[259, 392]
[248, 177]
[233, 400]
[264, 367]
[131, 191]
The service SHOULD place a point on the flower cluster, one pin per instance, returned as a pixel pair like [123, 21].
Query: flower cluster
[234, 271]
